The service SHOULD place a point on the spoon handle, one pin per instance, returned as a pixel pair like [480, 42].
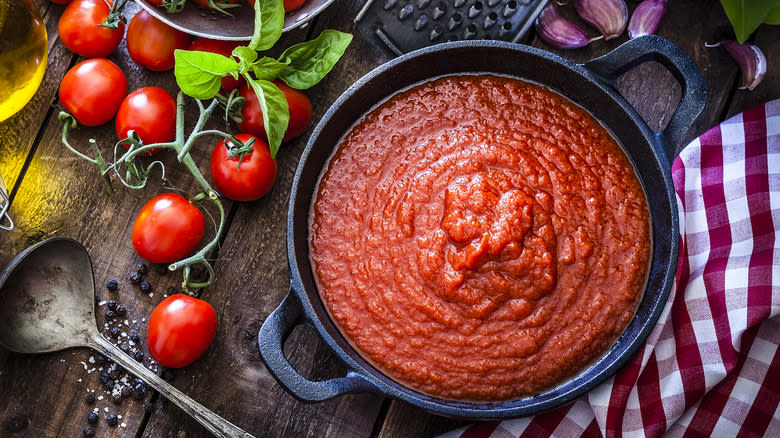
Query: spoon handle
[211, 421]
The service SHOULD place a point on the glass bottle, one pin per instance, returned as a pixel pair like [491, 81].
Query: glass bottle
[23, 51]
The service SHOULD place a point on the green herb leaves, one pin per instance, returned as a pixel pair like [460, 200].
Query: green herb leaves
[309, 62]
[301, 66]
[199, 73]
[746, 15]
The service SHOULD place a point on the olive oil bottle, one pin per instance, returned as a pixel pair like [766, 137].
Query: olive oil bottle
[23, 50]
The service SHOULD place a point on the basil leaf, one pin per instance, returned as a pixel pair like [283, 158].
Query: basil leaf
[310, 61]
[276, 114]
[268, 68]
[773, 17]
[246, 57]
[199, 74]
[746, 15]
[269, 21]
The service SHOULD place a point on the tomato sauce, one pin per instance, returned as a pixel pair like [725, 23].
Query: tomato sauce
[480, 238]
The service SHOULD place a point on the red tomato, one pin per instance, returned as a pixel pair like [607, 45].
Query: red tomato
[79, 31]
[167, 229]
[299, 108]
[289, 5]
[180, 329]
[151, 42]
[248, 179]
[224, 48]
[92, 91]
[150, 112]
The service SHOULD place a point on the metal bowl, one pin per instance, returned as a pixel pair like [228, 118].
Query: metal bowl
[208, 24]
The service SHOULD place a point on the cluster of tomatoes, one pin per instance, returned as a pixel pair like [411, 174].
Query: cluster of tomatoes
[169, 227]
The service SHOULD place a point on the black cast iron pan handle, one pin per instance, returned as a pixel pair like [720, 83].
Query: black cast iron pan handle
[270, 340]
[654, 48]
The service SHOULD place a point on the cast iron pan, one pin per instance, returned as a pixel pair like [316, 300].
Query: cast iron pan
[592, 85]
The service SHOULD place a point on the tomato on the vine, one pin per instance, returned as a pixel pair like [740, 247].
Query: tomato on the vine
[224, 48]
[150, 112]
[151, 43]
[79, 28]
[93, 90]
[180, 330]
[299, 108]
[167, 229]
[245, 178]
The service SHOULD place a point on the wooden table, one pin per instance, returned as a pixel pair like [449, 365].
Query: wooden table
[56, 194]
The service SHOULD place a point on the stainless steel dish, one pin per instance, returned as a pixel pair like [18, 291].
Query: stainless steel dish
[198, 22]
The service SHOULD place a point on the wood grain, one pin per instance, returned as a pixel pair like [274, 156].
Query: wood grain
[61, 195]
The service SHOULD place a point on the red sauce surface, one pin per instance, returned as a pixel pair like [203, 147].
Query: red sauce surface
[480, 238]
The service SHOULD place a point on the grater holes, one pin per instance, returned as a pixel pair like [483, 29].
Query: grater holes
[510, 8]
[490, 20]
[405, 12]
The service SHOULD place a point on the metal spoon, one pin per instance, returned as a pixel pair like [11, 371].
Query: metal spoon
[48, 294]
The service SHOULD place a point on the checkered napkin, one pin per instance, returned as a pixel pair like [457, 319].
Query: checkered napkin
[711, 367]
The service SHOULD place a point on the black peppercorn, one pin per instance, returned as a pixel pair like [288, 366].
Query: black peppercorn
[142, 268]
[138, 355]
[110, 314]
[135, 337]
[149, 407]
[112, 420]
[126, 391]
[125, 348]
[115, 332]
[90, 399]
[111, 304]
[135, 277]
[121, 310]
[89, 431]
[97, 299]
[109, 384]
[116, 398]
[103, 377]
[99, 358]
[92, 418]
[114, 374]
[112, 285]
[146, 286]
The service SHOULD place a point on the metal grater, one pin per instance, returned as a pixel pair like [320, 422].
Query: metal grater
[401, 26]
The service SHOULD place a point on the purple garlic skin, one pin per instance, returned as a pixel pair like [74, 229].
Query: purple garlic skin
[646, 16]
[559, 32]
[751, 61]
[608, 16]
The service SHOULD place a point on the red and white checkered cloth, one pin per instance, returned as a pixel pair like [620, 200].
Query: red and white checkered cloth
[711, 367]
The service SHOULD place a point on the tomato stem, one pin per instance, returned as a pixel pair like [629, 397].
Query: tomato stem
[136, 174]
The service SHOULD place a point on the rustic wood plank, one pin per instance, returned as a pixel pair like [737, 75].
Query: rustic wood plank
[63, 195]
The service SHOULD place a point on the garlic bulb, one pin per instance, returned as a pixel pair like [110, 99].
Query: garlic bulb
[608, 16]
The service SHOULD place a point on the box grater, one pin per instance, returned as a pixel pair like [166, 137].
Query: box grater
[401, 26]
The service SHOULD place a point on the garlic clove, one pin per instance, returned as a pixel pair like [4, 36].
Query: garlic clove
[751, 61]
[559, 32]
[646, 16]
[608, 16]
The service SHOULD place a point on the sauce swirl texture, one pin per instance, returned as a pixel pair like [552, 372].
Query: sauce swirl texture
[479, 238]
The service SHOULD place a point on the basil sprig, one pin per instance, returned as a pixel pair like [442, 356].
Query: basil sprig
[301, 66]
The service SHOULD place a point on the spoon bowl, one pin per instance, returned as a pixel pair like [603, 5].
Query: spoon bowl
[48, 300]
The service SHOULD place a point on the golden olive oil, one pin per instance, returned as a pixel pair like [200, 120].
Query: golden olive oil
[23, 50]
